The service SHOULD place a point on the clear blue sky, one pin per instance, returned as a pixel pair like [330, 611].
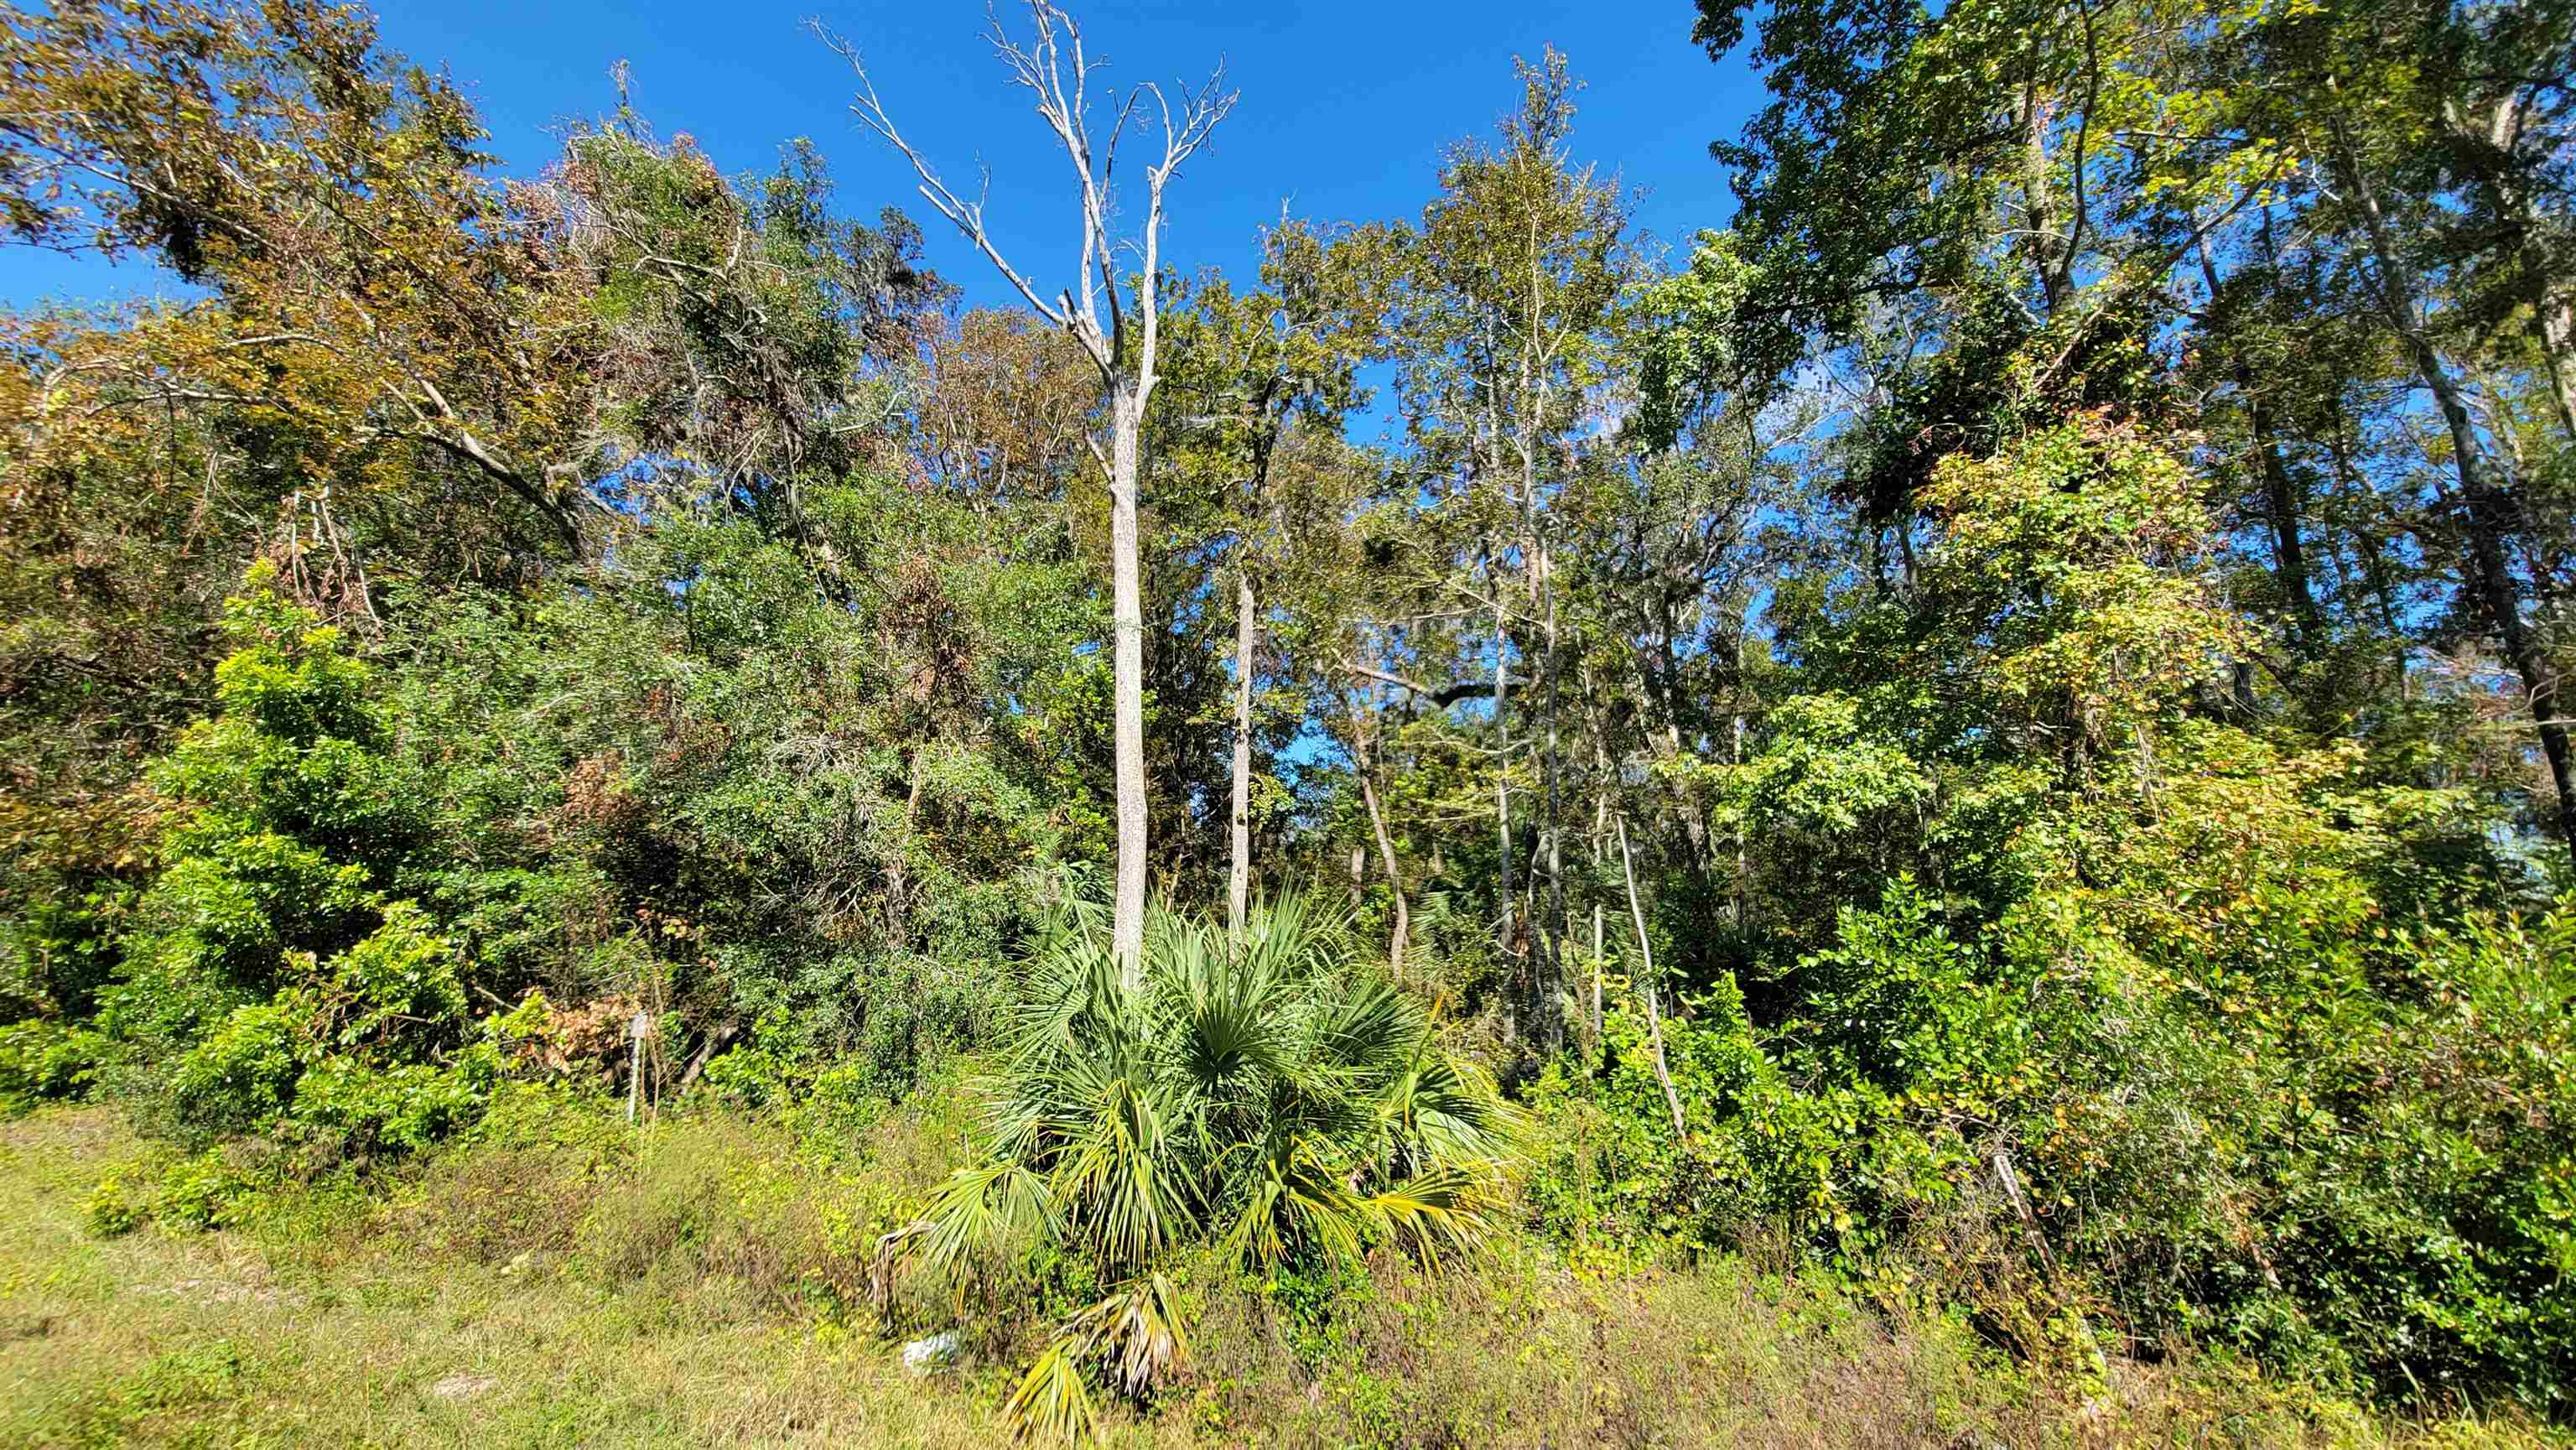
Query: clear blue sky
[1345, 107]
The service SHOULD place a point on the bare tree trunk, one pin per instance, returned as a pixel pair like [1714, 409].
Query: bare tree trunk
[1122, 344]
[1402, 929]
[1646, 979]
[1127, 663]
[1238, 884]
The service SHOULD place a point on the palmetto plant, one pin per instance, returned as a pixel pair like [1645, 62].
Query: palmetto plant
[1265, 1096]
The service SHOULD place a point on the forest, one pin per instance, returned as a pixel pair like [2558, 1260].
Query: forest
[1939, 815]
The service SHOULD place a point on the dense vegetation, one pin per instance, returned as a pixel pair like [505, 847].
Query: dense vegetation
[1995, 734]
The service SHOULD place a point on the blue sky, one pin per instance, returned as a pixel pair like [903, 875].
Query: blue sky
[1345, 107]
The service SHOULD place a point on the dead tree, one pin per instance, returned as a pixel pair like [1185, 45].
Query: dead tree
[1120, 335]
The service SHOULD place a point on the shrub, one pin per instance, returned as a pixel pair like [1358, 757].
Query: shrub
[200, 1193]
[2424, 1195]
[368, 1051]
[113, 1207]
[1265, 1097]
[290, 821]
[42, 1059]
[241, 1078]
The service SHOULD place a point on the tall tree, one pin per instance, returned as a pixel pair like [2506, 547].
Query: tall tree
[1502, 306]
[1247, 367]
[1053, 68]
[1999, 210]
[2351, 88]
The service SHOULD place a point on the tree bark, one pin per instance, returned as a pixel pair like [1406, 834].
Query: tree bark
[2554, 324]
[1646, 980]
[1600, 820]
[2042, 243]
[2509, 194]
[1596, 972]
[1402, 928]
[1551, 989]
[1127, 663]
[1123, 345]
[1503, 766]
[1238, 883]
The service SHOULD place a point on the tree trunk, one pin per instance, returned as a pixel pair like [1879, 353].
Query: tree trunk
[1596, 972]
[1503, 766]
[1551, 989]
[1600, 821]
[1402, 929]
[2554, 324]
[2280, 491]
[2281, 502]
[2042, 242]
[1646, 980]
[1125, 357]
[2509, 193]
[1743, 870]
[1127, 616]
[1238, 883]
[2489, 513]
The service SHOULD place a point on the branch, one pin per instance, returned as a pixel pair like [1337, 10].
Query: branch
[967, 216]
[1443, 697]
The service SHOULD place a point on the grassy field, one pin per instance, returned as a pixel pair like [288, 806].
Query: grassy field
[699, 1284]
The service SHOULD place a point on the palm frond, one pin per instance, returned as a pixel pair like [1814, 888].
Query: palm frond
[1297, 1197]
[1135, 1333]
[979, 1212]
[1442, 1110]
[1446, 1209]
[1232, 1026]
[1296, 936]
[1052, 1401]
[1258, 1087]
[1115, 1176]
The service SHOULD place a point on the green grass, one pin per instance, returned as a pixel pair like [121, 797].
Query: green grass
[378, 1323]
[702, 1284]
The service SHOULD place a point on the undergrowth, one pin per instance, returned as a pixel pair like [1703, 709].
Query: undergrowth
[557, 1278]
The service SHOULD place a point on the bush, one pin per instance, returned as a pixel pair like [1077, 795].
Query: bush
[369, 1051]
[200, 1193]
[2424, 1196]
[354, 1105]
[242, 1077]
[41, 1059]
[2343, 1151]
[290, 822]
[1262, 1097]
